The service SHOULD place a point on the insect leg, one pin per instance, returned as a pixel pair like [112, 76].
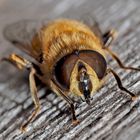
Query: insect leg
[21, 63]
[114, 56]
[35, 98]
[67, 99]
[119, 82]
[108, 38]
[17, 61]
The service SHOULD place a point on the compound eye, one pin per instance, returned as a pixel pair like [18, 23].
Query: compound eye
[94, 60]
[63, 70]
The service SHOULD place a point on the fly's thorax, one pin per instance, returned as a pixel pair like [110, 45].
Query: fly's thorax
[62, 37]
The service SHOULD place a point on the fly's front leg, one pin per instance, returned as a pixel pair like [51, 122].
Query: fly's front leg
[15, 60]
[35, 98]
[108, 37]
[67, 99]
[115, 57]
[119, 82]
[21, 63]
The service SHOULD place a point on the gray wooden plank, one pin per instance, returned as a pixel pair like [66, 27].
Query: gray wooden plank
[112, 114]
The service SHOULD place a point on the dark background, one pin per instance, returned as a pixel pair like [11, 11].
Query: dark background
[112, 116]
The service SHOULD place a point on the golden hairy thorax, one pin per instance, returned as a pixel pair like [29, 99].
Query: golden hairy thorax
[62, 37]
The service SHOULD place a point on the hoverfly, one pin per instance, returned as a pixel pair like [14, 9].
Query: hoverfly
[70, 58]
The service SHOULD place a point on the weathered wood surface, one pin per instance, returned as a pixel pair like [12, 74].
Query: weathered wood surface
[112, 115]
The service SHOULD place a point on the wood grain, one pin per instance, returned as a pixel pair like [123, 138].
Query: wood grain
[112, 115]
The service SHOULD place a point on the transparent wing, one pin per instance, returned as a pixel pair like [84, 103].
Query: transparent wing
[21, 33]
[93, 24]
